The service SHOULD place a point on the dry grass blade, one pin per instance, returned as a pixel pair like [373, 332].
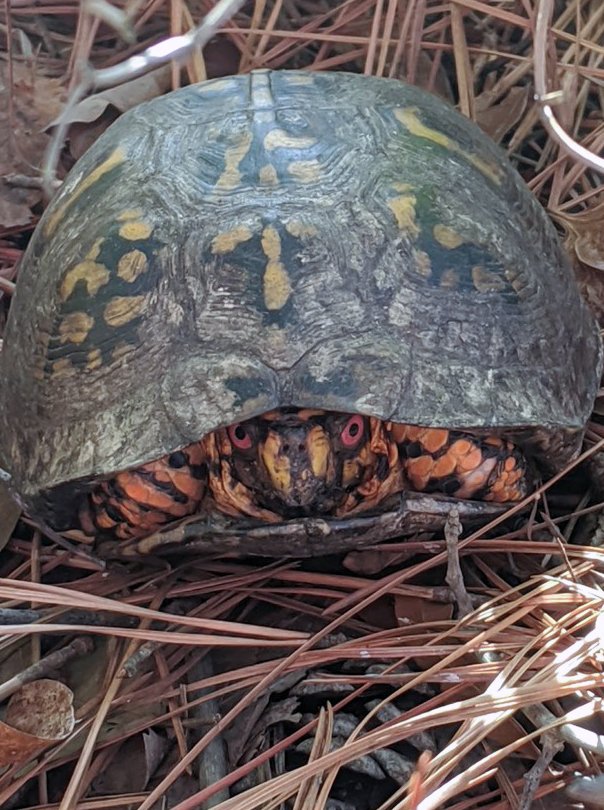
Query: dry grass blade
[50, 594]
[372, 639]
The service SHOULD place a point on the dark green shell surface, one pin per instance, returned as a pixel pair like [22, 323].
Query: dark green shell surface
[287, 239]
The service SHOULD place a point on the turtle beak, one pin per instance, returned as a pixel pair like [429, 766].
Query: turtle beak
[296, 460]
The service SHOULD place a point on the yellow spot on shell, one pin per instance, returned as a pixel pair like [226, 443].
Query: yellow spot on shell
[277, 287]
[403, 188]
[94, 360]
[403, 208]
[293, 78]
[94, 251]
[305, 171]
[123, 309]
[74, 328]
[447, 237]
[271, 243]
[131, 265]
[129, 214]
[449, 279]
[121, 350]
[62, 368]
[409, 119]
[300, 229]
[227, 241]
[135, 230]
[94, 275]
[215, 86]
[279, 138]
[117, 157]
[231, 176]
[268, 175]
[486, 281]
[423, 265]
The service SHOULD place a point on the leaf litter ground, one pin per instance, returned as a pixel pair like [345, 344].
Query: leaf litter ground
[431, 673]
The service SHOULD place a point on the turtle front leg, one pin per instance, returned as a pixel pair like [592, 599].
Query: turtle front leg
[137, 502]
[462, 465]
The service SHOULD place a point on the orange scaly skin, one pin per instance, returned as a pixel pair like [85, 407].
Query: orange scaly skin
[138, 502]
[296, 464]
[461, 465]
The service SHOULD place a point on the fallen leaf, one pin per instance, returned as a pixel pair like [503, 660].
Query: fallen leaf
[584, 234]
[584, 242]
[411, 610]
[372, 561]
[509, 732]
[94, 114]
[221, 57]
[14, 212]
[38, 715]
[36, 100]
[497, 118]
[133, 766]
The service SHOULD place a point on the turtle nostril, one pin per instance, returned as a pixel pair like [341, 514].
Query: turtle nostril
[301, 446]
[286, 448]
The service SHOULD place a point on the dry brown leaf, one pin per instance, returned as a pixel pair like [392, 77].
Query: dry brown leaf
[509, 731]
[15, 204]
[38, 715]
[584, 241]
[134, 764]
[36, 100]
[372, 561]
[496, 119]
[93, 115]
[585, 234]
[411, 610]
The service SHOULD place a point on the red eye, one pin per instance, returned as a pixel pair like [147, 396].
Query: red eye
[240, 437]
[353, 431]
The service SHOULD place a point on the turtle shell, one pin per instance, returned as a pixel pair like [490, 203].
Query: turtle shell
[280, 239]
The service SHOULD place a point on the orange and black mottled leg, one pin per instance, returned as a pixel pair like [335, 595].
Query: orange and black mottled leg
[462, 465]
[137, 502]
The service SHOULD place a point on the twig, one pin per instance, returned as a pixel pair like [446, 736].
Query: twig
[173, 48]
[551, 746]
[102, 619]
[454, 578]
[543, 98]
[212, 762]
[77, 649]
[66, 545]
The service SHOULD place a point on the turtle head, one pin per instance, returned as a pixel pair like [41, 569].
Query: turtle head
[297, 463]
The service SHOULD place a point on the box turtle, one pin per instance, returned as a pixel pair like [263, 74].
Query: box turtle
[294, 312]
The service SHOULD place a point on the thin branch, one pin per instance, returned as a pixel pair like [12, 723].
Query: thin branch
[543, 97]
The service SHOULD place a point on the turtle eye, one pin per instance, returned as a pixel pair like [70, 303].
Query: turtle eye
[240, 437]
[353, 431]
